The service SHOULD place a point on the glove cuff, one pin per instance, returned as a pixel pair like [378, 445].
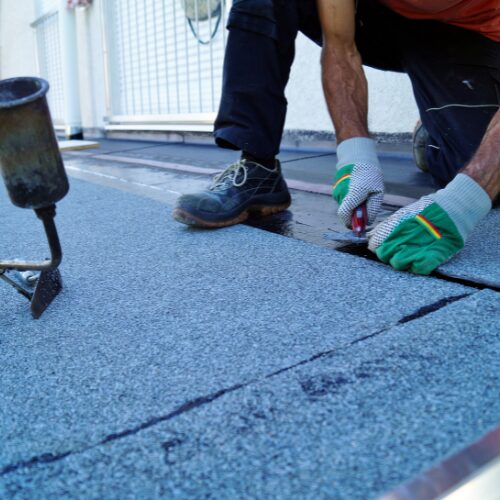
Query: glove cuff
[357, 150]
[465, 201]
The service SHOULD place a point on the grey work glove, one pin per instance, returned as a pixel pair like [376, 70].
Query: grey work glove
[358, 179]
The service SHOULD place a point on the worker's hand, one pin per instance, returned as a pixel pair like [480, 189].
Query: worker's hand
[422, 236]
[358, 179]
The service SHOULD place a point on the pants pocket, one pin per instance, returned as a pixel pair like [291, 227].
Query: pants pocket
[256, 16]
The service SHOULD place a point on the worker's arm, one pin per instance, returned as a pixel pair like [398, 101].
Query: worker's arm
[425, 234]
[359, 176]
[344, 81]
[484, 167]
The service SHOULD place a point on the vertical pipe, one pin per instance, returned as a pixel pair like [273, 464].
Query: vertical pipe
[198, 49]
[188, 80]
[176, 51]
[117, 100]
[223, 23]
[165, 45]
[123, 45]
[139, 58]
[157, 62]
[211, 54]
[130, 75]
[147, 56]
[69, 59]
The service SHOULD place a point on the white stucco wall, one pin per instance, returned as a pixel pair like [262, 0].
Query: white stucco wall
[391, 105]
[17, 39]
[392, 108]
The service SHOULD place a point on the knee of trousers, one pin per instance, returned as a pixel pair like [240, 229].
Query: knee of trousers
[255, 16]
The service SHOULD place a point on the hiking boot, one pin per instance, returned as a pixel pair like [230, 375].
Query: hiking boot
[421, 141]
[243, 188]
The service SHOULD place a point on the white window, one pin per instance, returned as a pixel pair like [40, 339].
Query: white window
[49, 59]
[165, 59]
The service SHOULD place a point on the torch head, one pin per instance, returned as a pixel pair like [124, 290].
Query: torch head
[30, 160]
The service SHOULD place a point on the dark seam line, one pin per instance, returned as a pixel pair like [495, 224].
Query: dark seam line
[360, 251]
[478, 283]
[100, 153]
[186, 407]
[419, 313]
[323, 354]
[371, 335]
[204, 400]
[424, 311]
[46, 458]
[307, 158]
[317, 356]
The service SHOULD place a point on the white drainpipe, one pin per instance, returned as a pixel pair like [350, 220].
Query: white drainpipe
[69, 55]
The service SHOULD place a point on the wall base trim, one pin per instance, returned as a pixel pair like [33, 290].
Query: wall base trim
[305, 140]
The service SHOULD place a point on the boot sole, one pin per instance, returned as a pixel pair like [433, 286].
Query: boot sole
[184, 217]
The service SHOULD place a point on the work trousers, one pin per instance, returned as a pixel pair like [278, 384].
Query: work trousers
[455, 75]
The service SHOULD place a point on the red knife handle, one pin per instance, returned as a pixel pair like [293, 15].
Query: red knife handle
[360, 219]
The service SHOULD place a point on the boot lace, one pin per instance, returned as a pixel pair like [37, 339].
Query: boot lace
[230, 176]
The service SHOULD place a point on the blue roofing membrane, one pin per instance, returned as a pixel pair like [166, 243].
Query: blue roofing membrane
[188, 362]
[480, 258]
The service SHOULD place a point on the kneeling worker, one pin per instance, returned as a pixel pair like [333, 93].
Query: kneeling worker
[450, 50]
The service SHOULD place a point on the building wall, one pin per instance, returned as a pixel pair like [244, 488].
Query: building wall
[392, 108]
[17, 41]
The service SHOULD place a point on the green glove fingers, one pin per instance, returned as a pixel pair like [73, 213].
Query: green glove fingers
[422, 264]
[422, 236]
[341, 183]
[417, 242]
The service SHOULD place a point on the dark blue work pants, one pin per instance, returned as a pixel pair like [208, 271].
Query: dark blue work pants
[455, 74]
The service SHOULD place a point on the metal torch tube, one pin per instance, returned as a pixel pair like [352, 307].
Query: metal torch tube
[46, 215]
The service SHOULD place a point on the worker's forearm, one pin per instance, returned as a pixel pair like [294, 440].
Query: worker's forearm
[484, 167]
[346, 92]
